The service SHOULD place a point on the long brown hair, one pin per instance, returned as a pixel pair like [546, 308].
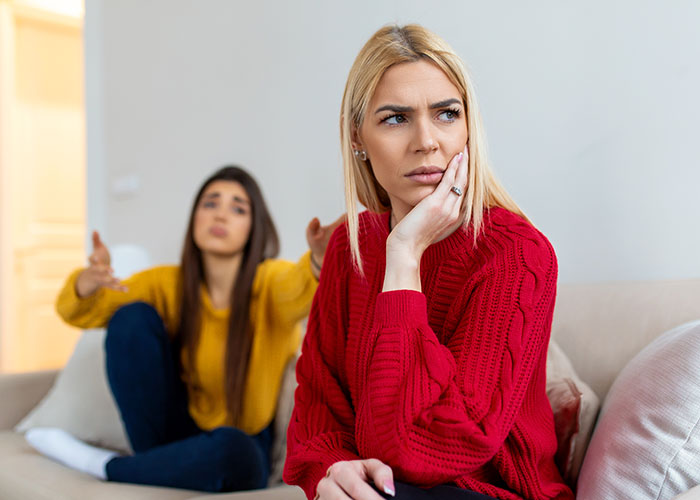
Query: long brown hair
[263, 243]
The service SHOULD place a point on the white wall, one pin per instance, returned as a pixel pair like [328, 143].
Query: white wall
[592, 111]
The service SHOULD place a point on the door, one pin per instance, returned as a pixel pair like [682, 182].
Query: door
[42, 169]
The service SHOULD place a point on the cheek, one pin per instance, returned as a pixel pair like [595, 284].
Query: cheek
[386, 159]
[461, 137]
[198, 224]
[243, 231]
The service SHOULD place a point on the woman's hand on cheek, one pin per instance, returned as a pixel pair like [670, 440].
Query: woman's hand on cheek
[436, 216]
[350, 480]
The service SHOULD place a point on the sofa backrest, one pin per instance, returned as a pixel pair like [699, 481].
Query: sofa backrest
[602, 326]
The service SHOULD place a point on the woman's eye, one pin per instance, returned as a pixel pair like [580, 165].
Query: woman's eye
[239, 210]
[449, 115]
[209, 204]
[395, 119]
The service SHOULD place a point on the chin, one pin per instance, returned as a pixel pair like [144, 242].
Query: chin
[219, 250]
[419, 194]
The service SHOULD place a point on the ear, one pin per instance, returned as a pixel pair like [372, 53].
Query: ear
[355, 139]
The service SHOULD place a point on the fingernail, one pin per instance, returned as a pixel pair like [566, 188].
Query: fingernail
[389, 488]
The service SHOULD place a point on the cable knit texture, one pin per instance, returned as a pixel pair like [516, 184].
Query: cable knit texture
[444, 386]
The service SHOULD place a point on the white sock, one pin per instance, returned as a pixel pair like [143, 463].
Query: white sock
[61, 446]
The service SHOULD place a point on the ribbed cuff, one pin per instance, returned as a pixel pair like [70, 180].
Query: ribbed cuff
[305, 263]
[401, 307]
[70, 294]
[308, 478]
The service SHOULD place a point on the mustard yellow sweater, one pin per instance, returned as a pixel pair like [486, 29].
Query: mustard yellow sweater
[281, 296]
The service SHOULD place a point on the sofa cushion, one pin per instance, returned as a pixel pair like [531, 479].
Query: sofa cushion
[285, 407]
[602, 326]
[647, 442]
[25, 474]
[281, 492]
[575, 407]
[80, 401]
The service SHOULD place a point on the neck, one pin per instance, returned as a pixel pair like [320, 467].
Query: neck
[398, 212]
[220, 273]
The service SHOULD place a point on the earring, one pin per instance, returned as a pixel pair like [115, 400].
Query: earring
[362, 155]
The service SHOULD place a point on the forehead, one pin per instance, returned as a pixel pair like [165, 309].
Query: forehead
[226, 189]
[414, 82]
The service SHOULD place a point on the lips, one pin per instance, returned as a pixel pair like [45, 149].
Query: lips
[218, 231]
[426, 175]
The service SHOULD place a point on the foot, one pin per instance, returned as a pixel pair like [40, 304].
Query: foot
[59, 445]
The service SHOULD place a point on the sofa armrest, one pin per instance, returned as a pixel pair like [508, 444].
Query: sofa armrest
[20, 392]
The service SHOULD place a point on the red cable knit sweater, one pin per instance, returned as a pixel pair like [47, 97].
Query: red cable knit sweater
[444, 386]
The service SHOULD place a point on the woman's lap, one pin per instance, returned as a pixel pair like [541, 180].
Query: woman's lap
[169, 448]
[224, 459]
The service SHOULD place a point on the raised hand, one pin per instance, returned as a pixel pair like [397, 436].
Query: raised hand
[317, 236]
[99, 273]
[350, 480]
[435, 217]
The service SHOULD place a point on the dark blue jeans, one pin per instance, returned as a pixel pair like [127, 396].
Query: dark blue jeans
[169, 448]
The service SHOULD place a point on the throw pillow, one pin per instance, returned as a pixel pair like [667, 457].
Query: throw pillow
[647, 442]
[80, 401]
[575, 407]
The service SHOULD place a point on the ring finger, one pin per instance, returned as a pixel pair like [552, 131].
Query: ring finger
[462, 172]
[448, 178]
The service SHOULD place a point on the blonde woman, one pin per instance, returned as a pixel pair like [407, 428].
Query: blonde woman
[422, 373]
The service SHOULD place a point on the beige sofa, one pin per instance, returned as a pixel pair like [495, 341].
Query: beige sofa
[600, 326]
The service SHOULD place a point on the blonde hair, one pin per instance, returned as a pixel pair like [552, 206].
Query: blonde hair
[395, 45]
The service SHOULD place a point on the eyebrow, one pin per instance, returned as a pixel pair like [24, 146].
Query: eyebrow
[407, 109]
[235, 198]
[241, 200]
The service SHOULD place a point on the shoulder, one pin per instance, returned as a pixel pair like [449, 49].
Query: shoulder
[372, 230]
[369, 224]
[509, 239]
[269, 268]
[277, 271]
[158, 274]
[265, 273]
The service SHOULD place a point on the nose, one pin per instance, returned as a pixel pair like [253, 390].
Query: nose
[424, 139]
[221, 213]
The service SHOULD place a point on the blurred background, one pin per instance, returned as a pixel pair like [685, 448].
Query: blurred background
[113, 112]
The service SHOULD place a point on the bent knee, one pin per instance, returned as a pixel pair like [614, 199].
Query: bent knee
[240, 462]
[132, 319]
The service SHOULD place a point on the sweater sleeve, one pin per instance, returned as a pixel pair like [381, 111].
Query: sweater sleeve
[436, 411]
[289, 288]
[321, 430]
[96, 310]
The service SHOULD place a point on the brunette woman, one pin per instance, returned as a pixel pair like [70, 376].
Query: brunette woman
[195, 352]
